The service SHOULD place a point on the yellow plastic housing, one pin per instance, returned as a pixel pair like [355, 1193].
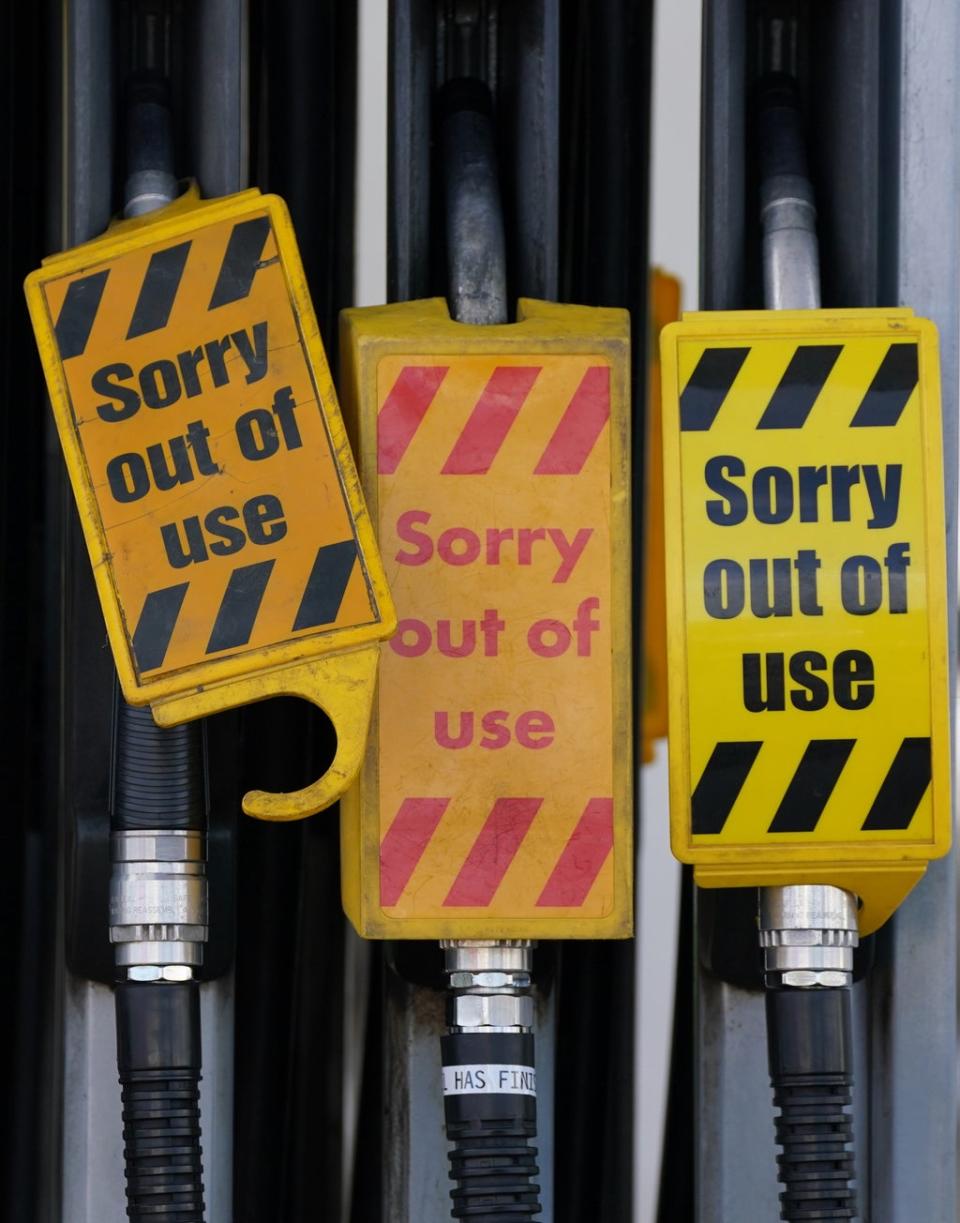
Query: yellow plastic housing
[496, 798]
[232, 551]
[806, 591]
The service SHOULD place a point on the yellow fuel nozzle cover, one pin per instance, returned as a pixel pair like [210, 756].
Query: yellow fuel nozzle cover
[807, 610]
[232, 551]
[496, 798]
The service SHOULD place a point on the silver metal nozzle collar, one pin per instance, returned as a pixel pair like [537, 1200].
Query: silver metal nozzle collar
[158, 903]
[490, 981]
[808, 933]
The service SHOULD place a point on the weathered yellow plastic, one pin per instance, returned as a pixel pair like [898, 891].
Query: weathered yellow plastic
[330, 663]
[664, 309]
[893, 617]
[451, 862]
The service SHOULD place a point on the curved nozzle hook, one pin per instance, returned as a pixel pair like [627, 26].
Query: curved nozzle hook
[342, 685]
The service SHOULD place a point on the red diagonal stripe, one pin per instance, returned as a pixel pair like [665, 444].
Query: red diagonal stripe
[494, 849]
[403, 410]
[402, 848]
[490, 421]
[583, 855]
[582, 423]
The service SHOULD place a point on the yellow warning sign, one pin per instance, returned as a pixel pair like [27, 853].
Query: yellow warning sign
[215, 484]
[806, 583]
[495, 800]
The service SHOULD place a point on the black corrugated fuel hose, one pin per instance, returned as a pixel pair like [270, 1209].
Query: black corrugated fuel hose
[158, 923]
[811, 1070]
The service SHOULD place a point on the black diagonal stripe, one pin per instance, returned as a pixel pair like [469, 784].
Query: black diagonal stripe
[241, 603]
[156, 624]
[903, 787]
[721, 782]
[77, 313]
[240, 262]
[811, 785]
[159, 290]
[327, 585]
[709, 384]
[890, 389]
[799, 387]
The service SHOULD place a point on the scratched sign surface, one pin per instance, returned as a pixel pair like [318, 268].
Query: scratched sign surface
[217, 491]
[496, 794]
[805, 545]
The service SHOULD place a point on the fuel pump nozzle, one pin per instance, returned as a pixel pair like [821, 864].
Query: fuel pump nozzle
[489, 1078]
[158, 886]
[808, 932]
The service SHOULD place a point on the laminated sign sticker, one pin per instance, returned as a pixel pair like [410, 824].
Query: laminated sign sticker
[496, 791]
[805, 545]
[216, 489]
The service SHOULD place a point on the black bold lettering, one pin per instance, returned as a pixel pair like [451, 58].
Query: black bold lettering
[284, 405]
[197, 434]
[814, 693]
[897, 562]
[188, 362]
[772, 495]
[853, 686]
[811, 480]
[884, 498]
[761, 604]
[861, 585]
[128, 397]
[128, 478]
[195, 550]
[259, 443]
[263, 517]
[218, 366]
[230, 539]
[723, 589]
[842, 479]
[754, 698]
[163, 477]
[733, 510]
[807, 564]
[159, 384]
[254, 356]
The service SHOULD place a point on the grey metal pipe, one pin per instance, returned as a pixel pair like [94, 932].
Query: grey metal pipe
[808, 932]
[791, 259]
[476, 248]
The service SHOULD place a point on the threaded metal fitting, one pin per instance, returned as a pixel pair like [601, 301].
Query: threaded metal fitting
[808, 933]
[489, 981]
[158, 903]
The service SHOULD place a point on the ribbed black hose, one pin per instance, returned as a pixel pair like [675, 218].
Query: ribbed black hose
[492, 1161]
[158, 784]
[158, 1057]
[158, 773]
[811, 1069]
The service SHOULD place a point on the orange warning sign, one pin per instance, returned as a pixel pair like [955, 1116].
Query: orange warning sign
[664, 309]
[216, 487]
[496, 785]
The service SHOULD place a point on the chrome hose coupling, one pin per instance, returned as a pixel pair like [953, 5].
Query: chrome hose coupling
[808, 933]
[158, 903]
[489, 981]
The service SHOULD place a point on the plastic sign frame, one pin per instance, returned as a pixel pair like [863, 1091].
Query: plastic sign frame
[310, 627]
[495, 461]
[809, 698]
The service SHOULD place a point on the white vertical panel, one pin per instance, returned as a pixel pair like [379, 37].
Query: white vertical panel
[370, 242]
[674, 246]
